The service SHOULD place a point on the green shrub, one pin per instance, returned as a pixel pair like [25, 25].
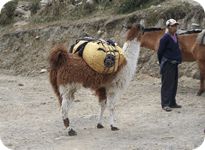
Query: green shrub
[9, 8]
[131, 5]
[4, 20]
[7, 13]
[35, 6]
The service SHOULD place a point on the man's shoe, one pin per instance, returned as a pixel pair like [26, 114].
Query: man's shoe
[176, 106]
[167, 108]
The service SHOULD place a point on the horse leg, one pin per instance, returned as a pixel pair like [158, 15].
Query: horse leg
[111, 99]
[201, 90]
[202, 78]
[101, 92]
[67, 94]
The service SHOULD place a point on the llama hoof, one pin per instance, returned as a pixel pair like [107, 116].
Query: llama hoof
[72, 132]
[114, 128]
[100, 126]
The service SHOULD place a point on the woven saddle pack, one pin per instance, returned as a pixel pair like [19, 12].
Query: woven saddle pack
[102, 56]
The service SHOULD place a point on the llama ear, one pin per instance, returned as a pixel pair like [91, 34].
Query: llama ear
[136, 31]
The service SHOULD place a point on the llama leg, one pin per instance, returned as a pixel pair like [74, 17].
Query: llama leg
[101, 92]
[68, 97]
[112, 100]
[102, 109]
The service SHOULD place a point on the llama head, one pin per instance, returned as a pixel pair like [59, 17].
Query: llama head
[132, 45]
[134, 31]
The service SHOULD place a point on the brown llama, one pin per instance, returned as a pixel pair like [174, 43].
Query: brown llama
[69, 72]
[192, 48]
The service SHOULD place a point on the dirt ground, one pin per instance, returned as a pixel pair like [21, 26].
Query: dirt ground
[30, 118]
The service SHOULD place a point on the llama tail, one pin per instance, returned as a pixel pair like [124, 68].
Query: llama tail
[57, 59]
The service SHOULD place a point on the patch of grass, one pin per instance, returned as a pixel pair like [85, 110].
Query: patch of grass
[197, 12]
[62, 11]
[177, 12]
[35, 6]
[129, 6]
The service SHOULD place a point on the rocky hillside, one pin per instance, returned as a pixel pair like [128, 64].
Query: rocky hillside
[26, 41]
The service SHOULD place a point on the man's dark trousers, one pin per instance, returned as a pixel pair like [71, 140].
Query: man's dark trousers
[169, 84]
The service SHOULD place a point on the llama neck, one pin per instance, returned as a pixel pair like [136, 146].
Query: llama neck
[131, 50]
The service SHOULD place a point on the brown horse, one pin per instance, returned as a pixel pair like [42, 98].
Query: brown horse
[192, 48]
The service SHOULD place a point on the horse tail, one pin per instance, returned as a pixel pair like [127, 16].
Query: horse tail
[57, 59]
[201, 38]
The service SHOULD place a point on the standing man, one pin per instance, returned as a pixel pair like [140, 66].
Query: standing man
[169, 56]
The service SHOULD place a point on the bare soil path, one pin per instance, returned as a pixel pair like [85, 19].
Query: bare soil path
[30, 118]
